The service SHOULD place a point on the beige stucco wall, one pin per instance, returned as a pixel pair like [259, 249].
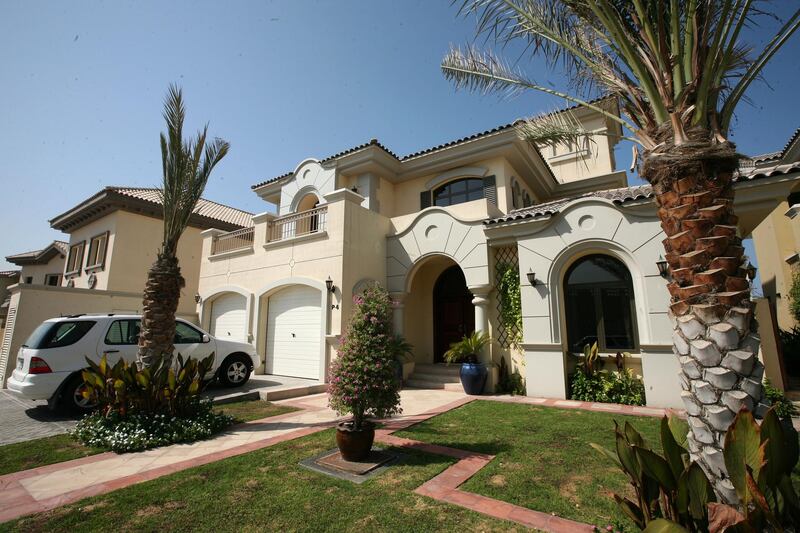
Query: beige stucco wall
[37, 303]
[38, 272]
[351, 249]
[775, 239]
[133, 243]
[592, 158]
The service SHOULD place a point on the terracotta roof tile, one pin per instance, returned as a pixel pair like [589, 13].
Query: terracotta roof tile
[205, 208]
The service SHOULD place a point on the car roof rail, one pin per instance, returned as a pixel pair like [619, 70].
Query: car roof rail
[73, 316]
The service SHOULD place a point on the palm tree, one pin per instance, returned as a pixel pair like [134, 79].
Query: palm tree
[187, 165]
[677, 69]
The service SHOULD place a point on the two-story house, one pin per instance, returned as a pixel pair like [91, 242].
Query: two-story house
[114, 237]
[438, 228]
[41, 267]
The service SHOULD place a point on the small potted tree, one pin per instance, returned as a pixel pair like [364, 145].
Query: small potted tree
[473, 373]
[363, 382]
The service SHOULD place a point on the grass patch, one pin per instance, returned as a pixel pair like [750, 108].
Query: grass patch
[253, 410]
[56, 449]
[543, 458]
[268, 490]
[39, 452]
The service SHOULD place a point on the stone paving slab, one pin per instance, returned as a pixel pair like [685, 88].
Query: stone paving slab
[22, 420]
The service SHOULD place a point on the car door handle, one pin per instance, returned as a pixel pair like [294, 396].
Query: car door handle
[111, 351]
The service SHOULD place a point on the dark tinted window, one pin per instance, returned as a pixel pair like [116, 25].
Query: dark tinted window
[599, 302]
[123, 332]
[58, 334]
[458, 192]
[185, 334]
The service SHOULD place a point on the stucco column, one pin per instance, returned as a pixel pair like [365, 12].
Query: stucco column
[398, 305]
[481, 302]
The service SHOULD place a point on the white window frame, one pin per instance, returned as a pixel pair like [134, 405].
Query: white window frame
[99, 260]
[49, 276]
[75, 259]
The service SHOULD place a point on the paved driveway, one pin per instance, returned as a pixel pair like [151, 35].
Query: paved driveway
[22, 420]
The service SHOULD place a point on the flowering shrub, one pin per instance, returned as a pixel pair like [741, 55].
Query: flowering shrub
[141, 431]
[363, 375]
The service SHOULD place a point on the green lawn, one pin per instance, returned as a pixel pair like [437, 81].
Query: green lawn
[267, 490]
[543, 458]
[49, 450]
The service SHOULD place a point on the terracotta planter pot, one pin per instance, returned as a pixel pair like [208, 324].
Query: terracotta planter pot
[354, 445]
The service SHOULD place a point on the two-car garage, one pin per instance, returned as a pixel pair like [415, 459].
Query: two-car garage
[291, 320]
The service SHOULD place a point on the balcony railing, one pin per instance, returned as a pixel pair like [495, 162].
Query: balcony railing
[233, 240]
[297, 224]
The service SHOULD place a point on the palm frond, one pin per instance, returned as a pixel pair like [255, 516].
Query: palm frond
[186, 165]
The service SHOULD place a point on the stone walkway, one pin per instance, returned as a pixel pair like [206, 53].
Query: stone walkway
[51, 486]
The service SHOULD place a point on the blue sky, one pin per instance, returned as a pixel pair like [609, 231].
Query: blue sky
[82, 85]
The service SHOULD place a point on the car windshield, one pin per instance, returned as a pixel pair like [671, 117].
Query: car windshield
[58, 334]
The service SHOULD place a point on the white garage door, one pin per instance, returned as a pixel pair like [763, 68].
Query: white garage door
[293, 333]
[229, 318]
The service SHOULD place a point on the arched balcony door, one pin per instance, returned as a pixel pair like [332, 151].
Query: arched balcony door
[600, 305]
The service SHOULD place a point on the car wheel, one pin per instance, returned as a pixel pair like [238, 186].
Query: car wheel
[72, 399]
[235, 371]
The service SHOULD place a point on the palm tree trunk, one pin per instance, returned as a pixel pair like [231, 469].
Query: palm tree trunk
[714, 331]
[161, 294]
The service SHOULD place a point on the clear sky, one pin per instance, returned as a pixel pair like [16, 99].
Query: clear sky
[82, 85]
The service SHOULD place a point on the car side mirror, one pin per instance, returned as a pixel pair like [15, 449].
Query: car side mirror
[206, 338]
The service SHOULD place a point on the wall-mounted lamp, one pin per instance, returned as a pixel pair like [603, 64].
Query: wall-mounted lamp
[198, 298]
[663, 267]
[329, 284]
[750, 272]
[532, 278]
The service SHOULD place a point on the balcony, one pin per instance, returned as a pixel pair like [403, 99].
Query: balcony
[233, 241]
[297, 225]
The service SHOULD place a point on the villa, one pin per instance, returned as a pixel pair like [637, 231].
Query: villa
[440, 228]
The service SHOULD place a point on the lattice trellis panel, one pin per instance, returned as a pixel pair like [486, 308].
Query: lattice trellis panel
[503, 257]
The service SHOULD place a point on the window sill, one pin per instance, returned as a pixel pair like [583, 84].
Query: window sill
[73, 274]
[94, 268]
[292, 240]
[580, 154]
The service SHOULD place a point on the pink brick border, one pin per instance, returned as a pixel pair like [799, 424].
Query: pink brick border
[17, 502]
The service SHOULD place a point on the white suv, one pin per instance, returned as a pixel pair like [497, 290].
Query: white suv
[49, 364]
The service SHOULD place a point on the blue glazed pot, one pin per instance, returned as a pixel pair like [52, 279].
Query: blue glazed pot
[473, 377]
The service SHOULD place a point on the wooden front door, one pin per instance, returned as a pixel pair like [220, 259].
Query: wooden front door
[453, 313]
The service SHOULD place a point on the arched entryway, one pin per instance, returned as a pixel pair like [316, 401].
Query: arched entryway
[599, 305]
[453, 312]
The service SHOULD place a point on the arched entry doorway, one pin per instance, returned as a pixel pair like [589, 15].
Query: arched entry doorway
[600, 305]
[453, 312]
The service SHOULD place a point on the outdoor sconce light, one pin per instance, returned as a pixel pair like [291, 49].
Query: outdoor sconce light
[532, 278]
[198, 298]
[750, 272]
[331, 289]
[663, 267]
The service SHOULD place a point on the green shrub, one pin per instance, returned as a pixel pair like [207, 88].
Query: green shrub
[363, 381]
[468, 348]
[509, 382]
[790, 348]
[784, 407]
[141, 431]
[794, 294]
[123, 389]
[608, 387]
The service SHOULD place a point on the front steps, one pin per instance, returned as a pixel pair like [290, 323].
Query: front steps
[436, 376]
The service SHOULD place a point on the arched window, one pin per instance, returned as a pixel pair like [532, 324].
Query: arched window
[599, 304]
[526, 200]
[458, 192]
